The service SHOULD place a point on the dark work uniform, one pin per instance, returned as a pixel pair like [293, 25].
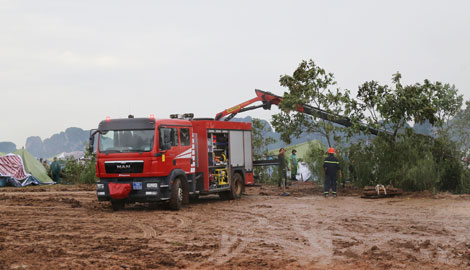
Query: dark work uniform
[331, 166]
[55, 171]
[282, 169]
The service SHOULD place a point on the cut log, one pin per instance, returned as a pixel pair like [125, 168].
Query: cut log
[379, 192]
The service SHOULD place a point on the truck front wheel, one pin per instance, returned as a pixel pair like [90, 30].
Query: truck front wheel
[176, 199]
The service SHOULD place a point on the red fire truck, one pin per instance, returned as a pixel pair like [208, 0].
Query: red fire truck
[169, 160]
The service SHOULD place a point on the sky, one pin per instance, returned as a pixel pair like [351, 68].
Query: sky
[73, 63]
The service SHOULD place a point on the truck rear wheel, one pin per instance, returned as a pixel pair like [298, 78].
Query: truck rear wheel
[176, 199]
[236, 188]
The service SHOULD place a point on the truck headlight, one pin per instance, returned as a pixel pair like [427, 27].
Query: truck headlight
[99, 186]
[152, 185]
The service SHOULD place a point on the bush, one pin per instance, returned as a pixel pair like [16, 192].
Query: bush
[413, 163]
[80, 172]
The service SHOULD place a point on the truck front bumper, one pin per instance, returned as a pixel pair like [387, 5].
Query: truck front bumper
[143, 190]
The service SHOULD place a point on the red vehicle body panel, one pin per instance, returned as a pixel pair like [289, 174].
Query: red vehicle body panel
[192, 159]
[200, 128]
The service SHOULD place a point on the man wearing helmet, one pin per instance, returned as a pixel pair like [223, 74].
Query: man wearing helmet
[332, 169]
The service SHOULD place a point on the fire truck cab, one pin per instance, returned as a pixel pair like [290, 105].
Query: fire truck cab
[169, 160]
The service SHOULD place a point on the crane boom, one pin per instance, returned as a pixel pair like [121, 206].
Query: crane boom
[267, 99]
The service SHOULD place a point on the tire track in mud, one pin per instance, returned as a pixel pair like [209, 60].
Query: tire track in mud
[182, 222]
[320, 248]
[259, 233]
[178, 222]
[148, 230]
[230, 246]
[233, 240]
[290, 235]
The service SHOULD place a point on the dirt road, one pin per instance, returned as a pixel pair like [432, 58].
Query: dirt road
[65, 227]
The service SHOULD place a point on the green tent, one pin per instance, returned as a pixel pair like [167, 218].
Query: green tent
[302, 149]
[33, 166]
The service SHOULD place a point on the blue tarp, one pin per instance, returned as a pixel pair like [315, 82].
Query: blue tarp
[30, 180]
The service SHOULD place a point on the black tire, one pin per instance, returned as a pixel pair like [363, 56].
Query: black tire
[176, 200]
[117, 205]
[236, 187]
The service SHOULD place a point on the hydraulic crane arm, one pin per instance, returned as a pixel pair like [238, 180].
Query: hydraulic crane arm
[268, 98]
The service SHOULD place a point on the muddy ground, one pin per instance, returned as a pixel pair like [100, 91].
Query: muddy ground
[65, 227]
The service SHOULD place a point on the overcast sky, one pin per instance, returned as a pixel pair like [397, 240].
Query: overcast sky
[72, 63]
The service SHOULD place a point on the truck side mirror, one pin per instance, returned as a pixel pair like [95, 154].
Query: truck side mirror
[91, 141]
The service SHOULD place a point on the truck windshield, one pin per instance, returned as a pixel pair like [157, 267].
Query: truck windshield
[125, 141]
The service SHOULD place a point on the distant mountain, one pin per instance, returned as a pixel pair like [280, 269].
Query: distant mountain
[73, 139]
[7, 147]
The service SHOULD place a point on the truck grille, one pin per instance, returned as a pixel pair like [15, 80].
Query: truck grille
[131, 166]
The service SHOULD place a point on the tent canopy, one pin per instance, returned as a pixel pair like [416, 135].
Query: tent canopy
[302, 149]
[33, 166]
[303, 172]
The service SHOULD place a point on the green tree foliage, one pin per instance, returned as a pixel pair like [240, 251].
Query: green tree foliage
[390, 109]
[80, 172]
[399, 156]
[311, 85]
[413, 163]
[260, 147]
[408, 164]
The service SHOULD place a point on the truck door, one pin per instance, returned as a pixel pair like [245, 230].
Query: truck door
[169, 147]
[184, 157]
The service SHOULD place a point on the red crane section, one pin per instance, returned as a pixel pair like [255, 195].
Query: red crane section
[268, 98]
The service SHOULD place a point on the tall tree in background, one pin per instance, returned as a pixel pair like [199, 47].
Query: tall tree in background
[311, 85]
[391, 109]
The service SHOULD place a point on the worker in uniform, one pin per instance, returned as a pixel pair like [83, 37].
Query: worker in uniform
[55, 170]
[293, 165]
[282, 181]
[332, 170]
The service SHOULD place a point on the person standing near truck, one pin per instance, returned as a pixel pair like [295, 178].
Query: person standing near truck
[293, 165]
[55, 170]
[332, 169]
[282, 181]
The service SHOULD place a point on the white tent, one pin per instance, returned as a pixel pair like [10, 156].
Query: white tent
[303, 172]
